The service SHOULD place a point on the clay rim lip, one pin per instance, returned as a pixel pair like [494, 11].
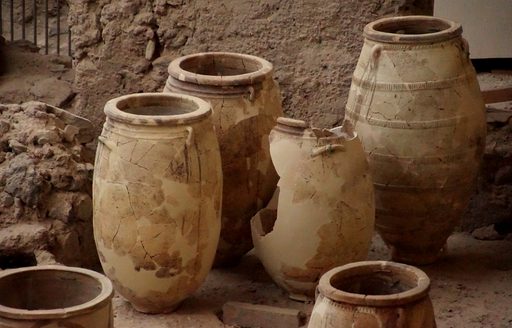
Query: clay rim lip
[410, 296]
[371, 31]
[266, 69]
[299, 126]
[112, 111]
[105, 296]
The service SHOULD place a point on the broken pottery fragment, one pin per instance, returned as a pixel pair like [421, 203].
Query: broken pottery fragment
[322, 214]
[157, 196]
[373, 294]
[52, 296]
[417, 107]
[246, 103]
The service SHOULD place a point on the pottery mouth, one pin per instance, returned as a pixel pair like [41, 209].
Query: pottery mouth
[377, 283]
[220, 68]
[157, 109]
[412, 29]
[49, 292]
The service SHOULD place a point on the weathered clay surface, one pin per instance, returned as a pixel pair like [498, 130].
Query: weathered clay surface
[246, 103]
[125, 46]
[45, 183]
[322, 214]
[373, 294]
[52, 296]
[157, 198]
[418, 110]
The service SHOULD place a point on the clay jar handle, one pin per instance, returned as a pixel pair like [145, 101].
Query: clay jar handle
[317, 151]
[107, 143]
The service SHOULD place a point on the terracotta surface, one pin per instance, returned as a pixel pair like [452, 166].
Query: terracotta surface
[157, 197]
[322, 215]
[373, 294]
[52, 296]
[245, 102]
[418, 110]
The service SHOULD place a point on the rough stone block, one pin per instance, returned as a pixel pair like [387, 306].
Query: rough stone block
[261, 316]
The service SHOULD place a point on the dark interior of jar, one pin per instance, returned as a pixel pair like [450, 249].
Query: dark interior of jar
[156, 106]
[47, 290]
[220, 65]
[412, 26]
[379, 282]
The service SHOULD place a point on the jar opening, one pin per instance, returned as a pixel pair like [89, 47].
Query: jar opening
[412, 26]
[220, 64]
[374, 283]
[157, 106]
[47, 290]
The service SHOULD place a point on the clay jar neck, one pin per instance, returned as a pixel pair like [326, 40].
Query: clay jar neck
[151, 111]
[412, 29]
[375, 283]
[219, 73]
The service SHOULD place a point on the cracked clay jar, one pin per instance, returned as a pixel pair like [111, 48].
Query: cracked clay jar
[157, 197]
[245, 102]
[417, 107]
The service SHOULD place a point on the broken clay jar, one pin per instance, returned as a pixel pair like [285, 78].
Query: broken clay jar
[52, 296]
[417, 107]
[157, 197]
[373, 294]
[322, 214]
[246, 103]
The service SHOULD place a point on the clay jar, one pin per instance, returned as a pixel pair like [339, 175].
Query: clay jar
[418, 110]
[373, 294]
[157, 197]
[246, 103]
[52, 296]
[322, 214]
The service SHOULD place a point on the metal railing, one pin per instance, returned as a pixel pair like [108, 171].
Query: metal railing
[14, 34]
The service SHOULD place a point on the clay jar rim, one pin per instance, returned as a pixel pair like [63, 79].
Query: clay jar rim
[296, 128]
[199, 109]
[444, 29]
[105, 295]
[264, 69]
[419, 291]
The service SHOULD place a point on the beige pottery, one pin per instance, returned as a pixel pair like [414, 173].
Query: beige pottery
[53, 296]
[373, 294]
[418, 110]
[246, 103]
[322, 215]
[157, 197]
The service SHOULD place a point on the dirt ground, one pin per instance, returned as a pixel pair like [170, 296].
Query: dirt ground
[471, 288]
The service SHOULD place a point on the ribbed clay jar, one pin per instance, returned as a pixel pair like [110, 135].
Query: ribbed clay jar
[322, 215]
[418, 110]
[52, 296]
[246, 103]
[157, 197]
[373, 294]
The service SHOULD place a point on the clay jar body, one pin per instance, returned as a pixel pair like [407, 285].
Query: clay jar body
[157, 197]
[373, 294]
[322, 215]
[52, 296]
[419, 112]
[246, 103]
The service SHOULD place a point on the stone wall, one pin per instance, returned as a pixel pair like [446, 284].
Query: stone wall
[125, 46]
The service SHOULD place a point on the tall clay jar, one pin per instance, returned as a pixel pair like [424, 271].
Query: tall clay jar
[322, 215]
[418, 110]
[373, 294]
[52, 296]
[157, 197]
[246, 103]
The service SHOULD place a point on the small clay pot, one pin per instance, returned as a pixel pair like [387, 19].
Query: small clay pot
[373, 294]
[245, 102]
[55, 296]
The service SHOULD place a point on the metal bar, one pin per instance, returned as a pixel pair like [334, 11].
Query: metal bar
[69, 41]
[46, 14]
[58, 27]
[12, 20]
[35, 21]
[23, 19]
[1, 19]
